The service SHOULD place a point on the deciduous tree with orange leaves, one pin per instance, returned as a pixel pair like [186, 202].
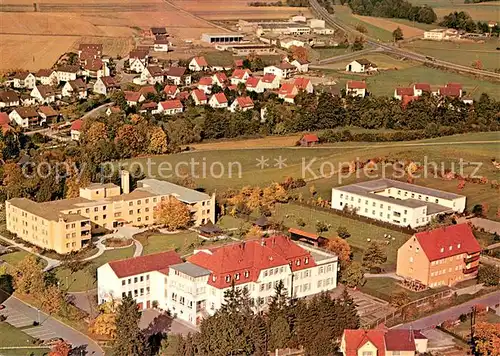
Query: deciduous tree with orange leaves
[487, 338]
[61, 348]
[341, 248]
[173, 214]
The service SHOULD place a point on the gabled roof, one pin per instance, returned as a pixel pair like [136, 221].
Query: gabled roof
[268, 78]
[77, 125]
[242, 262]
[149, 106]
[77, 84]
[183, 95]
[220, 97]
[44, 73]
[240, 73]
[205, 81]
[301, 83]
[221, 77]
[366, 62]
[45, 90]
[147, 89]
[454, 85]
[143, 264]
[90, 47]
[450, 91]
[26, 112]
[422, 86]
[355, 339]
[252, 82]
[68, 69]
[158, 30]
[238, 62]
[109, 82]
[404, 91]
[8, 96]
[175, 71]
[445, 241]
[286, 88]
[21, 75]
[245, 102]
[301, 61]
[285, 65]
[201, 61]
[408, 99]
[310, 138]
[200, 95]
[132, 96]
[162, 41]
[171, 104]
[170, 89]
[4, 118]
[356, 84]
[399, 340]
[94, 65]
[138, 53]
[155, 71]
[47, 111]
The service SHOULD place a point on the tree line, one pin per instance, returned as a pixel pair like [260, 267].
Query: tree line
[463, 21]
[400, 9]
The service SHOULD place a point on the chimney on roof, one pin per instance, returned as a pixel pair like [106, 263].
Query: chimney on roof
[125, 181]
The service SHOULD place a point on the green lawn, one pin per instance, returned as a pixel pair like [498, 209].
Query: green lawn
[322, 53]
[229, 222]
[343, 14]
[85, 279]
[182, 242]
[25, 352]
[12, 336]
[360, 231]
[383, 288]
[14, 258]
[463, 53]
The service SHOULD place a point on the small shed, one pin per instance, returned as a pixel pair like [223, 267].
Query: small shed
[210, 230]
[307, 237]
[262, 222]
[309, 140]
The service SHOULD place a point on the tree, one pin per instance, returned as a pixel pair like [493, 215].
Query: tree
[254, 232]
[342, 232]
[29, 276]
[341, 248]
[105, 322]
[53, 300]
[172, 213]
[487, 338]
[129, 339]
[299, 53]
[321, 226]
[129, 141]
[358, 44]
[95, 133]
[374, 256]
[61, 348]
[489, 275]
[157, 141]
[400, 299]
[397, 34]
[361, 28]
[352, 275]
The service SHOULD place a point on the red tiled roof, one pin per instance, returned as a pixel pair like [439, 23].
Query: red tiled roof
[132, 96]
[404, 91]
[310, 138]
[77, 125]
[94, 65]
[232, 87]
[77, 84]
[250, 257]
[240, 73]
[454, 85]
[221, 98]
[437, 240]
[399, 340]
[286, 89]
[170, 89]
[301, 232]
[205, 81]
[142, 264]
[354, 339]
[47, 111]
[356, 84]
[148, 89]
[301, 83]
[109, 82]
[183, 95]
[408, 99]
[285, 65]
[151, 106]
[200, 95]
[244, 101]
[238, 62]
[5, 128]
[4, 118]
[221, 77]
[422, 86]
[252, 82]
[171, 104]
[90, 47]
[202, 62]
[138, 53]
[268, 78]
[26, 112]
[450, 91]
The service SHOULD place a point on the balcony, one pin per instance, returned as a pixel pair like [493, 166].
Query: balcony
[470, 270]
[472, 258]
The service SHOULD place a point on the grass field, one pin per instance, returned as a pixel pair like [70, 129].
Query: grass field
[478, 12]
[383, 288]
[343, 13]
[14, 258]
[360, 231]
[322, 53]
[181, 242]
[463, 329]
[11, 336]
[409, 30]
[83, 280]
[383, 62]
[464, 53]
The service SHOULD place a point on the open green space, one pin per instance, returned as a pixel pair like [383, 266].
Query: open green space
[383, 62]
[322, 53]
[361, 232]
[463, 329]
[230, 222]
[464, 53]
[344, 15]
[14, 258]
[84, 279]
[384, 288]
[11, 336]
[182, 242]
[26, 352]
[487, 11]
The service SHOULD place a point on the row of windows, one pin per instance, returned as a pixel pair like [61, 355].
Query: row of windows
[443, 271]
[325, 282]
[444, 260]
[135, 279]
[137, 292]
[73, 244]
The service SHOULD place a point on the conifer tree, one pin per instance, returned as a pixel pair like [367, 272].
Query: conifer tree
[129, 339]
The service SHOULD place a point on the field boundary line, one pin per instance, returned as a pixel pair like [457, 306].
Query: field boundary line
[195, 16]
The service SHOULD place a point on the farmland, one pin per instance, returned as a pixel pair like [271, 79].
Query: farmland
[383, 62]
[343, 13]
[389, 25]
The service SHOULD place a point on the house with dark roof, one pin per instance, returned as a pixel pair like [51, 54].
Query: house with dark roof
[361, 65]
[43, 94]
[301, 65]
[178, 75]
[77, 88]
[152, 75]
[8, 98]
[24, 80]
[440, 257]
[47, 115]
[105, 85]
[143, 278]
[282, 70]
[24, 117]
[67, 72]
[46, 76]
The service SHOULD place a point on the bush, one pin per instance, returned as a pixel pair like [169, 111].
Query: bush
[300, 222]
[321, 227]
[342, 232]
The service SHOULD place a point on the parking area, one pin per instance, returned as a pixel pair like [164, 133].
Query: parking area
[20, 320]
[370, 308]
[152, 321]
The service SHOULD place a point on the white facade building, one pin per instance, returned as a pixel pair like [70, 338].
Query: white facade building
[396, 202]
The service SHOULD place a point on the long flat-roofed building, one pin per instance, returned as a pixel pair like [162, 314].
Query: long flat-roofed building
[67, 225]
[221, 37]
[396, 202]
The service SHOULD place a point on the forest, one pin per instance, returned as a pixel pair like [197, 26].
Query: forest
[400, 9]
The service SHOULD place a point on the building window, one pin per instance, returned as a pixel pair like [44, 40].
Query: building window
[247, 274]
[130, 203]
[141, 278]
[142, 291]
[458, 246]
[306, 260]
[123, 282]
[147, 277]
[297, 262]
[237, 276]
[411, 259]
[135, 279]
[136, 293]
[228, 278]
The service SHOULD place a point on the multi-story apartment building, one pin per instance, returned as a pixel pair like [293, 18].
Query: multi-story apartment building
[143, 278]
[440, 257]
[396, 202]
[194, 289]
[66, 225]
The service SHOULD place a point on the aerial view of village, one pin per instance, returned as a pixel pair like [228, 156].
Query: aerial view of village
[249, 177]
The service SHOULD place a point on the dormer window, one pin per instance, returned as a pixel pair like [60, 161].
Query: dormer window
[442, 249]
[451, 248]
[247, 274]
[458, 246]
[237, 276]
[306, 260]
[214, 278]
[297, 262]
[228, 278]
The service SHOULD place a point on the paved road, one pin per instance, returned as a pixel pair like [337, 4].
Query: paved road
[49, 327]
[451, 313]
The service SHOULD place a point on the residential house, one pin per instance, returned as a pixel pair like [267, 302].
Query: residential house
[90, 47]
[198, 64]
[153, 75]
[254, 84]
[105, 85]
[87, 56]
[183, 95]
[420, 88]
[301, 65]
[47, 114]
[238, 63]
[148, 107]
[451, 90]
[240, 76]
[8, 98]
[133, 98]
[399, 93]
[24, 80]
[147, 90]
[67, 73]
[287, 92]
[309, 140]
[178, 75]
[199, 97]
[440, 257]
[304, 84]
[282, 70]
[408, 99]
[161, 45]
[76, 129]
[205, 84]
[289, 42]
[356, 88]
[171, 91]
[379, 342]
[24, 117]
[43, 94]
[77, 88]
[361, 66]
[113, 110]
[218, 101]
[170, 107]
[142, 278]
[137, 65]
[26, 99]
[96, 68]
[158, 31]
[242, 103]
[46, 77]
[270, 81]
[138, 54]
[220, 79]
